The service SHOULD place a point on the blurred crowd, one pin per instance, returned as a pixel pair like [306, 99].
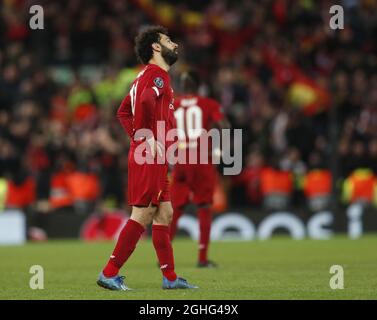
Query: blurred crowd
[305, 95]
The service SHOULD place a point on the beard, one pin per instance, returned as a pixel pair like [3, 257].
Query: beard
[170, 56]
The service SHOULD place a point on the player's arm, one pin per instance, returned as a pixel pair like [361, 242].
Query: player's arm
[223, 123]
[148, 101]
[219, 119]
[149, 96]
[125, 117]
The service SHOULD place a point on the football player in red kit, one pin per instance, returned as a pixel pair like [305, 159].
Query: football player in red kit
[195, 182]
[149, 101]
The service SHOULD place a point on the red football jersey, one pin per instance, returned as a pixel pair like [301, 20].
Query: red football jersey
[194, 113]
[150, 100]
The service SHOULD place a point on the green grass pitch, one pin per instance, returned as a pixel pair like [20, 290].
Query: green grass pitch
[279, 268]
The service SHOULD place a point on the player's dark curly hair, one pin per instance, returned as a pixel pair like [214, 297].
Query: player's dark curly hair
[190, 80]
[144, 40]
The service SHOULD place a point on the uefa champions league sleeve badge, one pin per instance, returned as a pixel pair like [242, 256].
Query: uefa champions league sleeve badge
[159, 82]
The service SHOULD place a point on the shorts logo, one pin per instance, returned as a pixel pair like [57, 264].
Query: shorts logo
[158, 82]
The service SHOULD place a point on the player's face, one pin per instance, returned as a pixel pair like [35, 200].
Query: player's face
[169, 49]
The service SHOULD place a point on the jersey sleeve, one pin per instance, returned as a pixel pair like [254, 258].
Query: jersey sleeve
[216, 111]
[157, 82]
[125, 117]
[148, 100]
[153, 90]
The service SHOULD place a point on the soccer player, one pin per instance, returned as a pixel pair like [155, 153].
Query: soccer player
[150, 100]
[195, 182]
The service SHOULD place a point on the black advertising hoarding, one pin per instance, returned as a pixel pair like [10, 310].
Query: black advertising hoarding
[236, 223]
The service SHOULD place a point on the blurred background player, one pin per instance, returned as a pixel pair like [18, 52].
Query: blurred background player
[195, 183]
[148, 188]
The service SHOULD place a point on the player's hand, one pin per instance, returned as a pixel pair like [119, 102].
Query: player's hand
[216, 154]
[156, 147]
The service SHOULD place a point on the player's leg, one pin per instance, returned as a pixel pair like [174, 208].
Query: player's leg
[205, 179]
[177, 213]
[161, 239]
[128, 238]
[164, 249]
[205, 221]
[179, 197]
[140, 218]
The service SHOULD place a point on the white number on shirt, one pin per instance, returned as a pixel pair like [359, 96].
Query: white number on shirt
[194, 122]
[133, 96]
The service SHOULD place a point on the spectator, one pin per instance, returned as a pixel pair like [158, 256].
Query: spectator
[268, 65]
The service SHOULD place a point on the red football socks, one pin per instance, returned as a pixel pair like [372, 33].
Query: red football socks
[164, 250]
[126, 244]
[173, 226]
[205, 218]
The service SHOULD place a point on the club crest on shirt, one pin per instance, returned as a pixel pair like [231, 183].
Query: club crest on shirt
[158, 82]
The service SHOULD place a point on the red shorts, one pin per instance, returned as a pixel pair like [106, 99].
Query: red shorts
[193, 183]
[147, 183]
